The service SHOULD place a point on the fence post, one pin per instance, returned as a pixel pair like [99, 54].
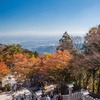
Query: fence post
[70, 87]
[84, 94]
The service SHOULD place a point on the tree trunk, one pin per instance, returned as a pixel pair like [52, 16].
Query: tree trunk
[98, 88]
[93, 79]
[80, 77]
[87, 79]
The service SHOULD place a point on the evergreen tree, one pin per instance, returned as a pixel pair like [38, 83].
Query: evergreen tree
[65, 43]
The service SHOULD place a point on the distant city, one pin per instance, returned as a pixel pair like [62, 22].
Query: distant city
[42, 44]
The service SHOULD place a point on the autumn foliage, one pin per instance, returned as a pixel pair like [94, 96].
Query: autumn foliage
[59, 60]
[24, 66]
[51, 64]
[3, 70]
[66, 65]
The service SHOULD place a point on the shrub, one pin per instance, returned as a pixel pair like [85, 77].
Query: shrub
[7, 86]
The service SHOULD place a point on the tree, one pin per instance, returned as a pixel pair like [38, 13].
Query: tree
[3, 70]
[31, 53]
[77, 68]
[13, 49]
[7, 53]
[78, 42]
[65, 43]
[92, 52]
[23, 65]
[57, 64]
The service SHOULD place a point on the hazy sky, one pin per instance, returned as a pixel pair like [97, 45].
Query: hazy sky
[48, 17]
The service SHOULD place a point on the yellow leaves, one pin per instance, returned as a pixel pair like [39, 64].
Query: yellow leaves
[47, 56]
[93, 30]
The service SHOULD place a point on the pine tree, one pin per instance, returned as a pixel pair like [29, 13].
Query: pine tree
[65, 43]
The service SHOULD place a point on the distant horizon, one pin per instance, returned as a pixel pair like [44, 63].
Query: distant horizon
[43, 35]
[34, 43]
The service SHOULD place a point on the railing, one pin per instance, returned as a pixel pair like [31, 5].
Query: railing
[75, 96]
[79, 96]
[87, 97]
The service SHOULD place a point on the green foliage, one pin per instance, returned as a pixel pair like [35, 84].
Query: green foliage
[35, 54]
[7, 87]
[13, 49]
[65, 43]
[31, 53]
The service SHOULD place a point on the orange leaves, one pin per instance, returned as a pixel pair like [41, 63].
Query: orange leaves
[3, 69]
[64, 55]
[53, 64]
[24, 65]
[59, 60]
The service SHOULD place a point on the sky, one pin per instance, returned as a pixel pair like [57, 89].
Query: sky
[48, 17]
